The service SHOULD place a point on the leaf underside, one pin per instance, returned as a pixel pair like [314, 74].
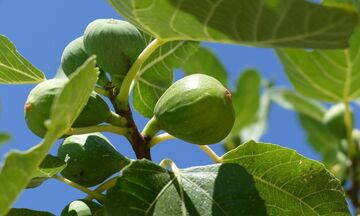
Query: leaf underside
[280, 23]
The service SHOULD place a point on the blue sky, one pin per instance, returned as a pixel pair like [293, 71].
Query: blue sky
[41, 29]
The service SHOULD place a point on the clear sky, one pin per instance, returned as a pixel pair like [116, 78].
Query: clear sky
[42, 28]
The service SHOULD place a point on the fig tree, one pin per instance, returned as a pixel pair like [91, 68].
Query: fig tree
[74, 55]
[90, 159]
[81, 207]
[116, 44]
[334, 120]
[197, 109]
[39, 102]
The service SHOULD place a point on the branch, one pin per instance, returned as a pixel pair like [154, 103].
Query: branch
[81, 188]
[99, 128]
[138, 142]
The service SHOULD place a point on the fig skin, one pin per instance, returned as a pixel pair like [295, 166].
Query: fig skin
[40, 99]
[81, 207]
[90, 158]
[116, 43]
[334, 120]
[197, 109]
[74, 55]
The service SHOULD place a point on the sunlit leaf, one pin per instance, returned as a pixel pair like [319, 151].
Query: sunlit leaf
[329, 75]
[14, 68]
[285, 23]
[289, 183]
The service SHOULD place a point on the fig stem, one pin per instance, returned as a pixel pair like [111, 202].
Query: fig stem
[353, 152]
[160, 138]
[151, 128]
[116, 119]
[101, 91]
[99, 128]
[122, 99]
[81, 188]
[104, 186]
[211, 153]
[169, 163]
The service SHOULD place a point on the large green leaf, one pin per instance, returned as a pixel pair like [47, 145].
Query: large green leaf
[156, 75]
[205, 61]
[148, 189]
[323, 74]
[14, 68]
[285, 23]
[28, 212]
[19, 167]
[293, 101]
[49, 167]
[289, 183]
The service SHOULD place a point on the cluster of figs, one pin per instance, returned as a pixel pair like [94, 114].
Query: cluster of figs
[197, 108]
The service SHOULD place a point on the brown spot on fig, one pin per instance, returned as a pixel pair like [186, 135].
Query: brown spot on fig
[27, 106]
[228, 96]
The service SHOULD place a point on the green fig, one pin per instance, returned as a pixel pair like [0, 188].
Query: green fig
[81, 207]
[334, 120]
[39, 102]
[197, 109]
[74, 55]
[116, 43]
[90, 159]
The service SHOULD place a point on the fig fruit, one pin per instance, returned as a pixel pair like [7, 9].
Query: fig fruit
[39, 102]
[334, 120]
[90, 159]
[116, 43]
[197, 109]
[74, 55]
[81, 207]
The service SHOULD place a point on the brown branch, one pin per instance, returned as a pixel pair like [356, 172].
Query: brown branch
[138, 142]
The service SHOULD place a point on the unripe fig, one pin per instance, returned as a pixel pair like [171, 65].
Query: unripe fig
[39, 102]
[197, 109]
[74, 55]
[116, 44]
[81, 207]
[335, 122]
[90, 159]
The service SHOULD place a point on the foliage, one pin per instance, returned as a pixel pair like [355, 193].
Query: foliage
[318, 46]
